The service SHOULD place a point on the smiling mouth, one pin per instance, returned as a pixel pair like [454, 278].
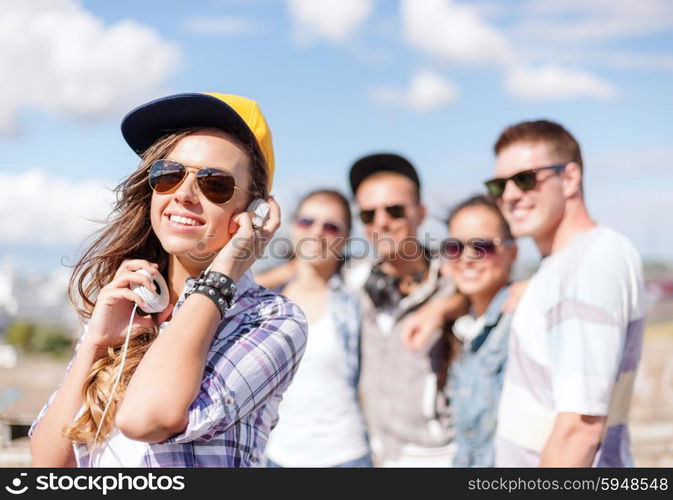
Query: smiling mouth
[469, 273]
[519, 212]
[184, 221]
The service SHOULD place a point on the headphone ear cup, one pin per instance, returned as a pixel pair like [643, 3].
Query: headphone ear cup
[156, 302]
[382, 288]
[260, 209]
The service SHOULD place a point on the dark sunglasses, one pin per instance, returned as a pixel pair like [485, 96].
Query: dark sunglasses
[218, 186]
[525, 180]
[453, 248]
[395, 211]
[327, 227]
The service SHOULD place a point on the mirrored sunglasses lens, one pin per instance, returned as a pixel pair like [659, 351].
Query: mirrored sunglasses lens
[304, 222]
[216, 185]
[331, 228]
[166, 175]
[451, 248]
[487, 246]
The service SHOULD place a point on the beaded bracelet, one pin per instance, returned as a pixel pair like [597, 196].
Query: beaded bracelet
[218, 287]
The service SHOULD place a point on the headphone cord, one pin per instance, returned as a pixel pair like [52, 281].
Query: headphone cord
[114, 388]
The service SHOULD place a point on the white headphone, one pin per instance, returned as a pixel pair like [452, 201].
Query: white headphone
[156, 302]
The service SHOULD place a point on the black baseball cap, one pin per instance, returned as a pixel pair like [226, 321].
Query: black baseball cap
[370, 164]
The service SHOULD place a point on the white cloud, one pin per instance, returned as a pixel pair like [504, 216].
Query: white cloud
[48, 210]
[333, 20]
[453, 32]
[58, 57]
[584, 32]
[220, 26]
[580, 20]
[609, 58]
[552, 82]
[427, 91]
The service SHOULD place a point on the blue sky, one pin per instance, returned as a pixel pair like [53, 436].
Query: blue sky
[435, 80]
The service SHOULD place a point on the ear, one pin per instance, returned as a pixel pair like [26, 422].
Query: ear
[572, 180]
[421, 211]
[233, 226]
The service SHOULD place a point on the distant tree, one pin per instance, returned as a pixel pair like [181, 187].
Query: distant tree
[38, 338]
[20, 334]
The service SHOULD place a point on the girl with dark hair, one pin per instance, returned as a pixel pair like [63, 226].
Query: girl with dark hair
[480, 255]
[321, 424]
[198, 383]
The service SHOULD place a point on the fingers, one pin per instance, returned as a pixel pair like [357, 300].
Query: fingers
[273, 221]
[416, 334]
[125, 293]
[412, 327]
[245, 228]
[130, 279]
[144, 322]
[135, 264]
[407, 336]
[247, 243]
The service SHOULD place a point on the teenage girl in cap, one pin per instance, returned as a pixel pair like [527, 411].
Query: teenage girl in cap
[202, 379]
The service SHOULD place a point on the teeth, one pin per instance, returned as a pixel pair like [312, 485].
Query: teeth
[184, 220]
[520, 212]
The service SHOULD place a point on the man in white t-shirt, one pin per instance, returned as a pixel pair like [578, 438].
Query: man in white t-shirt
[577, 332]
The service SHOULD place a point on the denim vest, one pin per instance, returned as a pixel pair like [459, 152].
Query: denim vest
[475, 384]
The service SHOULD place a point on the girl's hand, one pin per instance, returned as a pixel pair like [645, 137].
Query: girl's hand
[110, 318]
[246, 244]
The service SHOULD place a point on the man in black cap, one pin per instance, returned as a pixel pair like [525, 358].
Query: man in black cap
[401, 388]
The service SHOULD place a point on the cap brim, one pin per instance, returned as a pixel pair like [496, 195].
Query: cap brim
[149, 122]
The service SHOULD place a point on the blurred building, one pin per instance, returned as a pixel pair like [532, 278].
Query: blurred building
[39, 298]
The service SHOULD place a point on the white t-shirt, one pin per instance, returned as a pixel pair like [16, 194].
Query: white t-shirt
[320, 424]
[117, 451]
[575, 344]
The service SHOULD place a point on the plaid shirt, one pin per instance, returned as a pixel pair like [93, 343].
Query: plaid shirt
[251, 362]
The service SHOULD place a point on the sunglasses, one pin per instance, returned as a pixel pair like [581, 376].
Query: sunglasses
[525, 180]
[327, 227]
[453, 248]
[218, 186]
[395, 211]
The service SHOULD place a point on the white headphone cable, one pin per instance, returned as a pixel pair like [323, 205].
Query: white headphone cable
[112, 392]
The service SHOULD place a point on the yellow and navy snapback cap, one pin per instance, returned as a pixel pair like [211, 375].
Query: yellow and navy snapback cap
[237, 115]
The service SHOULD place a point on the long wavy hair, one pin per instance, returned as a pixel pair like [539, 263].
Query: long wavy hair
[128, 234]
